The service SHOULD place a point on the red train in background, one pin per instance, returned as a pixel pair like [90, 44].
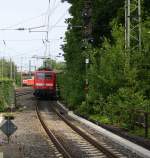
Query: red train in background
[45, 83]
[28, 79]
[28, 82]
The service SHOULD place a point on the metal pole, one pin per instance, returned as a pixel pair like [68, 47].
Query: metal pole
[86, 81]
[140, 25]
[10, 68]
[21, 72]
[128, 24]
[21, 76]
[29, 68]
[146, 124]
[125, 24]
[2, 67]
[47, 33]
[133, 24]
[14, 72]
[87, 13]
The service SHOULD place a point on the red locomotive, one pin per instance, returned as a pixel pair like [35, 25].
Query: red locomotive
[44, 83]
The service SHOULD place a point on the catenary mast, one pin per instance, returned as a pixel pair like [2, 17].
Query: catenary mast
[133, 31]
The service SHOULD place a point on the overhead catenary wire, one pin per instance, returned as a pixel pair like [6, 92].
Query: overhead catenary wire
[57, 22]
[47, 32]
[28, 40]
[54, 3]
[26, 20]
[25, 53]
[22, 28]
[30, 19]
[50, 12]
[10, 28]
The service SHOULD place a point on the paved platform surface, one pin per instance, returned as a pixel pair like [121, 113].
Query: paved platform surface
[10, 151]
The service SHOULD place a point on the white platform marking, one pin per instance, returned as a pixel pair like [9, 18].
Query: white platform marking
[1, 118]
[1, 155]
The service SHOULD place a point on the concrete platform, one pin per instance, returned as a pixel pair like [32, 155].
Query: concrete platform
[134, 148]
[10, 151]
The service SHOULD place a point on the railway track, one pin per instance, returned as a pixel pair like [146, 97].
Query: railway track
[69, 139]
[23, 91]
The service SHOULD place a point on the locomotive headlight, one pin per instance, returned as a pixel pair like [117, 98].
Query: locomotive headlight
[49, 84]
[39, 84]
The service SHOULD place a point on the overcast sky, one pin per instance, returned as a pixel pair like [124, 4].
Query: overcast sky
[28, 14]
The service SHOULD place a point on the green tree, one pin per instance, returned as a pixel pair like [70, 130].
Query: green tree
[116, 77]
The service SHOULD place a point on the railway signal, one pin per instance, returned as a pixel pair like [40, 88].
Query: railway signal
[87, 35]
[87, 14]
[8, 128]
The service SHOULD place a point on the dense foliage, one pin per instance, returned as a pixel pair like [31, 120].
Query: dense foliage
[6, 93]
[9, 70]
[119, 80]
[54, 65]
[7, 81]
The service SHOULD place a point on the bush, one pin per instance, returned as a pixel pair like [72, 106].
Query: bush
[101, 119]
[6, 93]
[71, 89]
[121, 106]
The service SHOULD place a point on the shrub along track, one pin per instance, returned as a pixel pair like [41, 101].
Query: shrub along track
[69, 139]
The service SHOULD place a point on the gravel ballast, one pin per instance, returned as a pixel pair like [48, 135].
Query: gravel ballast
[30, 139]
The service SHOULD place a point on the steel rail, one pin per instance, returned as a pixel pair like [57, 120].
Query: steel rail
[57, 143]
[23, 93]
[23, 89]
[87, 137]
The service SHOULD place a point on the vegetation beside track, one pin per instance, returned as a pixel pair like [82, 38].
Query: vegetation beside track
[7, 81]
[6, 94]
[119, 80]
[5, 71]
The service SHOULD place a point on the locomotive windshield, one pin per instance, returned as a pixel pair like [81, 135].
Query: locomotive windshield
[48, 76]
[42, 76]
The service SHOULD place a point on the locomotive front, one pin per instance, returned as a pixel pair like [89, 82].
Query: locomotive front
[44, 83]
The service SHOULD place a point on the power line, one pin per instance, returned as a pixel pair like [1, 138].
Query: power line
[54, 3]
[58, 21]
[26, 20]
[53, 9]
[22, 28]
[49, 28]
[51, 12]
[10, 28]
[47, 32]
[30, 19]
[27, 40]
[20, 40]
[25, 53]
